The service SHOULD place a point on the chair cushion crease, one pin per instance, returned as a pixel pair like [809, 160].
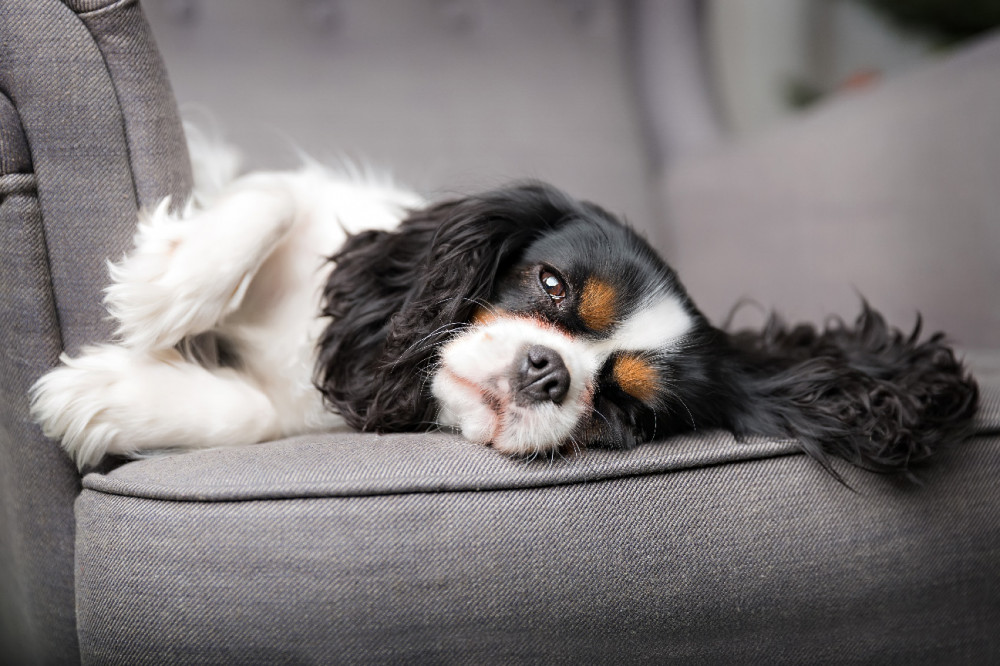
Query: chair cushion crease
[349, 464]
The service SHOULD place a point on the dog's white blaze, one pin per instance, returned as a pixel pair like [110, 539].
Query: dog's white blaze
[659, 324]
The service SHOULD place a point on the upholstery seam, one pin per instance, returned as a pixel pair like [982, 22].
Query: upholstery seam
[45, 237]
[24, 183]
[107, 8]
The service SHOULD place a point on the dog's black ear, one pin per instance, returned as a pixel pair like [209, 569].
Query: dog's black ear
[870, 394]
[394, 296]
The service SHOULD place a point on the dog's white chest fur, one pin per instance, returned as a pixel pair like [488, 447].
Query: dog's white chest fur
[246, 271]
[275, 327]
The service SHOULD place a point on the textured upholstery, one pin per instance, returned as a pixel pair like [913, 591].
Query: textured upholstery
[426, 548]
[68, 188]
[156, 147]
[37, 485]
[410, 548]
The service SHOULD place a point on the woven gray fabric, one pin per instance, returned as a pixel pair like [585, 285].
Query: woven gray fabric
[354, 464]
[14, 155]
[36, 484]
[427, 548]
[55, 243]
[37, 481]
[56, 77]
[156, 144]
[67, 203]
[81, 6]
[764, 561]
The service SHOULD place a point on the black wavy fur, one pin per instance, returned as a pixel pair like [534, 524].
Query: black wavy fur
[867, 393]
[870, 394]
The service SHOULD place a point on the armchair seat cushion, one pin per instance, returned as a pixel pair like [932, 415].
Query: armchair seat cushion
[419, 547]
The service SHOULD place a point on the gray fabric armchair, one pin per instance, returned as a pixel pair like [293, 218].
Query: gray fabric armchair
[350, 547]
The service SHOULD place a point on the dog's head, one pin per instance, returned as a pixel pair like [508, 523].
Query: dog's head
[578, 344]
[523, 318]
[532, 321]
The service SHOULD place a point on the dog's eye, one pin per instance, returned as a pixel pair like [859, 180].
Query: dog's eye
[552, 284]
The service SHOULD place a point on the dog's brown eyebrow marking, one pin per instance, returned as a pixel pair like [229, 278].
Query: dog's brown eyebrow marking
[597, 305]
[636, 377]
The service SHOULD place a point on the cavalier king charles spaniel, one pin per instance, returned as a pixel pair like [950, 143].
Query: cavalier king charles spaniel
[522, 318]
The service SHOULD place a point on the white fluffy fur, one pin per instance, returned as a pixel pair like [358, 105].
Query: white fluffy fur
[247, 265]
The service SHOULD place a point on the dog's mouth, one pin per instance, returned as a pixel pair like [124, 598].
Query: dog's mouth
[504, 385]
[492, 416]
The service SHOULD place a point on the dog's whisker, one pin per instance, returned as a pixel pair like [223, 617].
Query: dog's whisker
[676, 394]
[445, 328]
[489, 307]
[598, 412]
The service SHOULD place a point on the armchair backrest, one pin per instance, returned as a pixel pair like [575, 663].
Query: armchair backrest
[89, 132]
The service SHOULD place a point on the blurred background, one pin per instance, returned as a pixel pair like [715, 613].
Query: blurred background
[796, 153]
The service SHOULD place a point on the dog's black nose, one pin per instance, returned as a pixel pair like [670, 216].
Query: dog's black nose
[541, 376]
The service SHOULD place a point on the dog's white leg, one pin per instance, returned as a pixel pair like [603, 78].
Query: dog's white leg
[186, 274]
[114, 400]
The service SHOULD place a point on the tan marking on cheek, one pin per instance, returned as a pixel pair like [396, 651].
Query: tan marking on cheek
[636, 377]
[483, 316]
[597, 305]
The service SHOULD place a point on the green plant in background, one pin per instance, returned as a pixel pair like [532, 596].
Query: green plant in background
[800, 93]
[943, 24]
[947, 22]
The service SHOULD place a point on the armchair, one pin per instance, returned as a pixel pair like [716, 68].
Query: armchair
[360, 547]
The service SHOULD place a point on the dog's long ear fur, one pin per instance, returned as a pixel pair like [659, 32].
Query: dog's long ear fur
[870, 394]
[394, 296]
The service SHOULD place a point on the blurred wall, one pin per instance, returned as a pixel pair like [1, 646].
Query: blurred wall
[887, 190]
[448, 95]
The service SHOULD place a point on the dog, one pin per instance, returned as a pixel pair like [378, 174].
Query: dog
[526, 320]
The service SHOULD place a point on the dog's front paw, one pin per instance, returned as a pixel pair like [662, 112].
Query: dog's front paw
[188, 272]
[159, 294]
[75, 405]
[156, 312]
